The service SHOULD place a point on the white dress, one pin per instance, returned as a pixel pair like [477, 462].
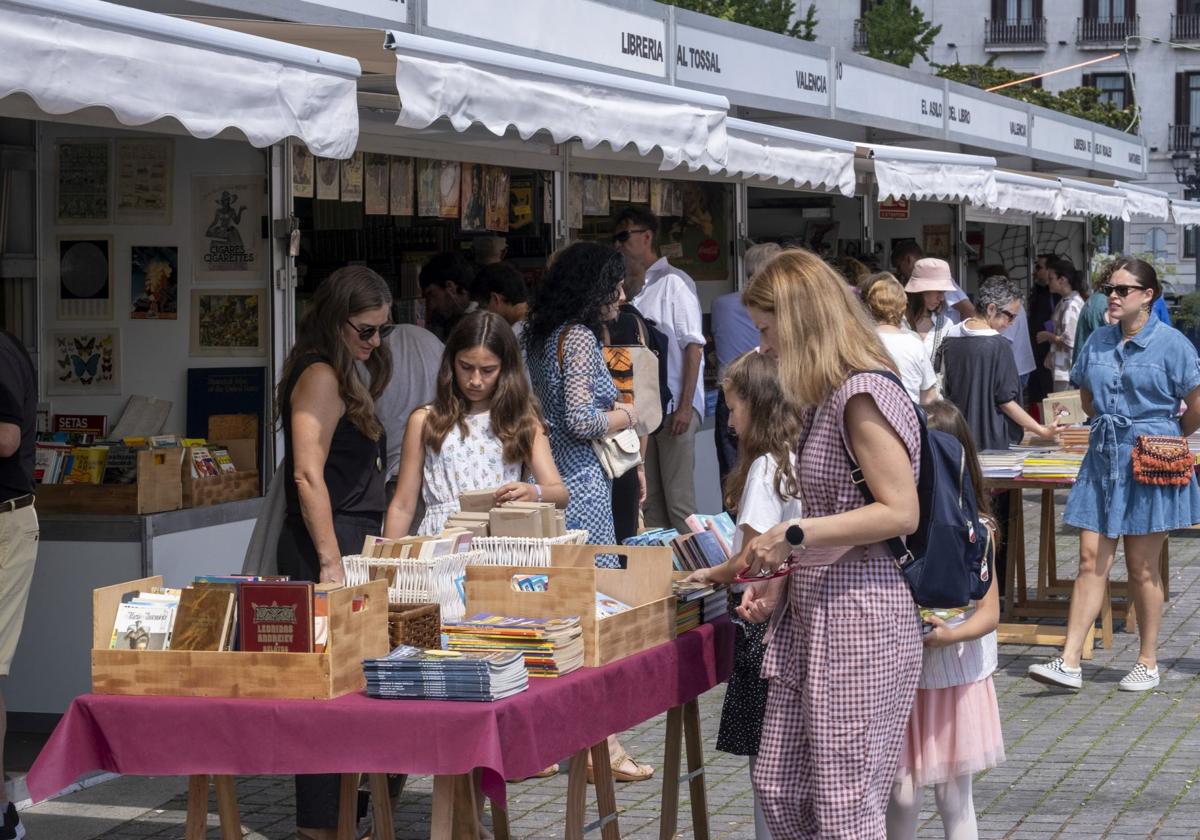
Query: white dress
[473, 462]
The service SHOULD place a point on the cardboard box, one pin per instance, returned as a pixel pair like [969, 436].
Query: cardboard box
[157, 489]
[516, 522]
[477, 501]
[547, 512]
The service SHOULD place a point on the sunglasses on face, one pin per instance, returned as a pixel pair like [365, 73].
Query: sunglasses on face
[1122, 291]
[623, 236]
[1008, 316]
[367, 333]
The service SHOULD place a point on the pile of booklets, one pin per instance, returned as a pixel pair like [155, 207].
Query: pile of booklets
[479, 513]
[412, 673]
[551, 646]
[708, 543]
[1052, 465]
[1001, 463]
[696, 603]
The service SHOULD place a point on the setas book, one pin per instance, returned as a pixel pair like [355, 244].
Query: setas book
[276, 617]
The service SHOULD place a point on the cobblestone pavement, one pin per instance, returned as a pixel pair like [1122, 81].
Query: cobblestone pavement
[1097, 764]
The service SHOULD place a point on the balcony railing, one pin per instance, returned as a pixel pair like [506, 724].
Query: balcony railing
[1015, 33]
[1185, 27]
[1105, 30]
[860, 36]
[1184, 138]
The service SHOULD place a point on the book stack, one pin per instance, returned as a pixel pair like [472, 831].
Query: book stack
[1001, 463]
[551, 646]
[697, 603]
[653, 538]
[698, 551]
[478, 511]
[412, 673]
[1075, 437]
[1058, 465]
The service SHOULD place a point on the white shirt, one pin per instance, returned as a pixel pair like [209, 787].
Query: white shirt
[669, 300]
[1066, 317]
[760, 507]
[416, 357]
[956, 296]
[908, 352]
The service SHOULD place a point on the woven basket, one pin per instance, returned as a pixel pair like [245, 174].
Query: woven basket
[523, 551]
[418, 625]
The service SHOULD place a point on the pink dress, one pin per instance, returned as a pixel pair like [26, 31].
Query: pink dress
[845, 656]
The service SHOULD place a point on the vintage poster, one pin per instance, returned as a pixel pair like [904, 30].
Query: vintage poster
[575, 201]
[699, 240]
[675, 190]
[473, 201]
[85, 278]
[495, 185]
[547, 195]
[352, 178]
[327, 179]
[84, 362]
[448, 187]
[401, 187]
[227, 223]
[618, 187]
[522, 210]
[595, 195]
[936, 240]
[83, 182]
[228, 322]
[639, 190]
[145, 167]
[154, 282]
[375, 184]
[428, 186]
[303, 173]
[658, 197]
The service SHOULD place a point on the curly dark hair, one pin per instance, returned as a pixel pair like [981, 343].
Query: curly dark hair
[583, 281]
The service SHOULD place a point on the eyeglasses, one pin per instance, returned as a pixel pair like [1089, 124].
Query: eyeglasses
[1122, 291]
[367, 333]
[1008, 316]
[623, 236]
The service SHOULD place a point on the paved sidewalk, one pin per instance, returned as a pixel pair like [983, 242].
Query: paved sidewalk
[1097, 764]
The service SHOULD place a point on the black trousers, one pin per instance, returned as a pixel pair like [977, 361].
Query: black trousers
[625, 492]
[727, 450]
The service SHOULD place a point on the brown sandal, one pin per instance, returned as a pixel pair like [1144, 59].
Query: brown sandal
[625, 769]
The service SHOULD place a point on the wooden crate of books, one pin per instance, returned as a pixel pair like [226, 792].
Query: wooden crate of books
[354, 635]
[241, 483]
[156, 489]
[573, 583]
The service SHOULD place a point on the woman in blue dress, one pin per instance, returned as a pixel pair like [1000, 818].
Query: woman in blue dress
[1132, 376]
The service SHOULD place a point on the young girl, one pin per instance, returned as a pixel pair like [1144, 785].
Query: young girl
[762, 489]
[484, 429]
[954, 731]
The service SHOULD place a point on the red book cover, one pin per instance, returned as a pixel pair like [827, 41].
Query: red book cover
[86, 424]
[276, 617]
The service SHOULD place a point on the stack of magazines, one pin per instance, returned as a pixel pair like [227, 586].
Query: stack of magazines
[412, 673]
[551, 646]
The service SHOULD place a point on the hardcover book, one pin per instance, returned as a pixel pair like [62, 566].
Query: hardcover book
[203, 619]
[276, 617]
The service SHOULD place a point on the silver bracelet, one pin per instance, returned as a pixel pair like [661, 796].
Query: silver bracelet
[628, 416]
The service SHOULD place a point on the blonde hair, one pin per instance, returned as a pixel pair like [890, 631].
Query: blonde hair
[885, 299]
[824, 334]
[757, 257]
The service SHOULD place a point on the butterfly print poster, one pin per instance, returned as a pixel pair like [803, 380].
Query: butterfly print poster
[85, 362]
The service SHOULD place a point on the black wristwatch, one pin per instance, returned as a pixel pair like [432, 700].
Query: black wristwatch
[795, 536]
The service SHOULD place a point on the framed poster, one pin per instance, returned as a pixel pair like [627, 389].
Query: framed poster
[352, 178]
[495, 187]
[401, 186]
[85, 278]
[428, 197]
[522, 209]
[658, 197]
[228, 322]
[575, 201]
[84, 362]
[375, 184]
[448, 186]
[618, 188]
[154, 282]
[145, 170]
[595, 195]
[936, 240]
[227, 220]
[303, 174]
[82, 179]
[473, 207]
[327, 179]
[639, 190]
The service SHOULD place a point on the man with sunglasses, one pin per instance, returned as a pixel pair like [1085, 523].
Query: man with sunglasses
[669, 301]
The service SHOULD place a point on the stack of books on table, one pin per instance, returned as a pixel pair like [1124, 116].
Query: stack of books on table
[415, 674]
[696, 603]
[1075, 437]
[1053, 465]
[551, 646]
[1001, 463]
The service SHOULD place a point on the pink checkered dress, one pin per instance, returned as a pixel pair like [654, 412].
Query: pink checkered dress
[845, 657]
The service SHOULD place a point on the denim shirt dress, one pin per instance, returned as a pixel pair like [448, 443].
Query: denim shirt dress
[1136, 388]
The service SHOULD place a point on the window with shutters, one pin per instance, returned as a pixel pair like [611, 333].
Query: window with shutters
[1115, 88]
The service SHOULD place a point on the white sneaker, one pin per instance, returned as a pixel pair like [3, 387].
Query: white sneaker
[1140, 678]
[1055, 672]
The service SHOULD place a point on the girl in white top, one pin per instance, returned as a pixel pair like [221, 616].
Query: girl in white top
[762, 488]
[1068, 284]
[483, 430]
[886, 301]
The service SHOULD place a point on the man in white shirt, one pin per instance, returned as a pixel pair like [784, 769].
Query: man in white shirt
[669, 300]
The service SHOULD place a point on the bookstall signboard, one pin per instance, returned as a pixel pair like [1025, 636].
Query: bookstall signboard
[894, 208]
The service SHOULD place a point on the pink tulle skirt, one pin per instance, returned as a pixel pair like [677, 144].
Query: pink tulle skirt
[952, 732]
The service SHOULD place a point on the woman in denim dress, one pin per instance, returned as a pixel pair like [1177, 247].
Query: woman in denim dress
[1132, 376]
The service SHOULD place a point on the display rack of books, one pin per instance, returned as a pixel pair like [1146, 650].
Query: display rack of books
[216, 473]
[708, 541]
[409, 673]
[551, 646]
[237, 636]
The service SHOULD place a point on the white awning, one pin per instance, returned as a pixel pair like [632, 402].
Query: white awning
[1082, 198]
[923, 174]
[470, 85]
[778, 154]
[1144, 203]
[1022, 193]
[67, 55]
[1186, 213]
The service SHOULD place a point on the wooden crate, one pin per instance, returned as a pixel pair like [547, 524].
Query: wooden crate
[574, 580]
[353, 636]
[227, 487]
[157, 489]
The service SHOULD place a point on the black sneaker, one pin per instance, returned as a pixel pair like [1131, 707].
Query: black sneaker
[12, 829]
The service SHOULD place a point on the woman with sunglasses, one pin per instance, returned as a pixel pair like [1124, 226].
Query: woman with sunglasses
[845, 655]
[1132, 375]
[334, 450]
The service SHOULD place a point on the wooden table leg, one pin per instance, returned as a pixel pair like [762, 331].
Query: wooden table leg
[606, 796]
[670, 794]
[197, 808]
[1047, 569]
[381, 807]
[695, 765]
[442, 821]
[347, 828]
[576, 795]
[1015, 551]
[227, 808]
[500, 822]
[466, 807]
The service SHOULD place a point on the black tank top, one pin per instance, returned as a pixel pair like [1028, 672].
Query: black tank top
[354, 468]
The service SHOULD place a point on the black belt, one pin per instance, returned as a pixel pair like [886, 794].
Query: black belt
[17, 503]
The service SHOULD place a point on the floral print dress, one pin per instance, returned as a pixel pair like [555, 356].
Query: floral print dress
[474, 461]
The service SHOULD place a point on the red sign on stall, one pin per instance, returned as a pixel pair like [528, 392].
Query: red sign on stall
[894, 209]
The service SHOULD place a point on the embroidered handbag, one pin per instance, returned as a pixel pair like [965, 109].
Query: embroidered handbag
[1163, 460]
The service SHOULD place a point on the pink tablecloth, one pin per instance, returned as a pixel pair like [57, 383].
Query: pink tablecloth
[512, 738]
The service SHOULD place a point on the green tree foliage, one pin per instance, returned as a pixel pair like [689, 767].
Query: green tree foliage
[1082, 102]
[897, 32]
[772, 15]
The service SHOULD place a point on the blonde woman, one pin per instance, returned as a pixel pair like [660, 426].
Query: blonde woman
[845, 656]
[885, 300]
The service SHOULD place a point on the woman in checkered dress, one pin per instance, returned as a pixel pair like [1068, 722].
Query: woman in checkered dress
[844, 650]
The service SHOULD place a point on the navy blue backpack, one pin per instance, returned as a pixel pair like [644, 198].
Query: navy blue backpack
[945, 559]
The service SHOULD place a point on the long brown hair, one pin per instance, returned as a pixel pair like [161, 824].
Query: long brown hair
[825, 334]
[516, 413]
[944, 416]
[347, 292]
[754, 379]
